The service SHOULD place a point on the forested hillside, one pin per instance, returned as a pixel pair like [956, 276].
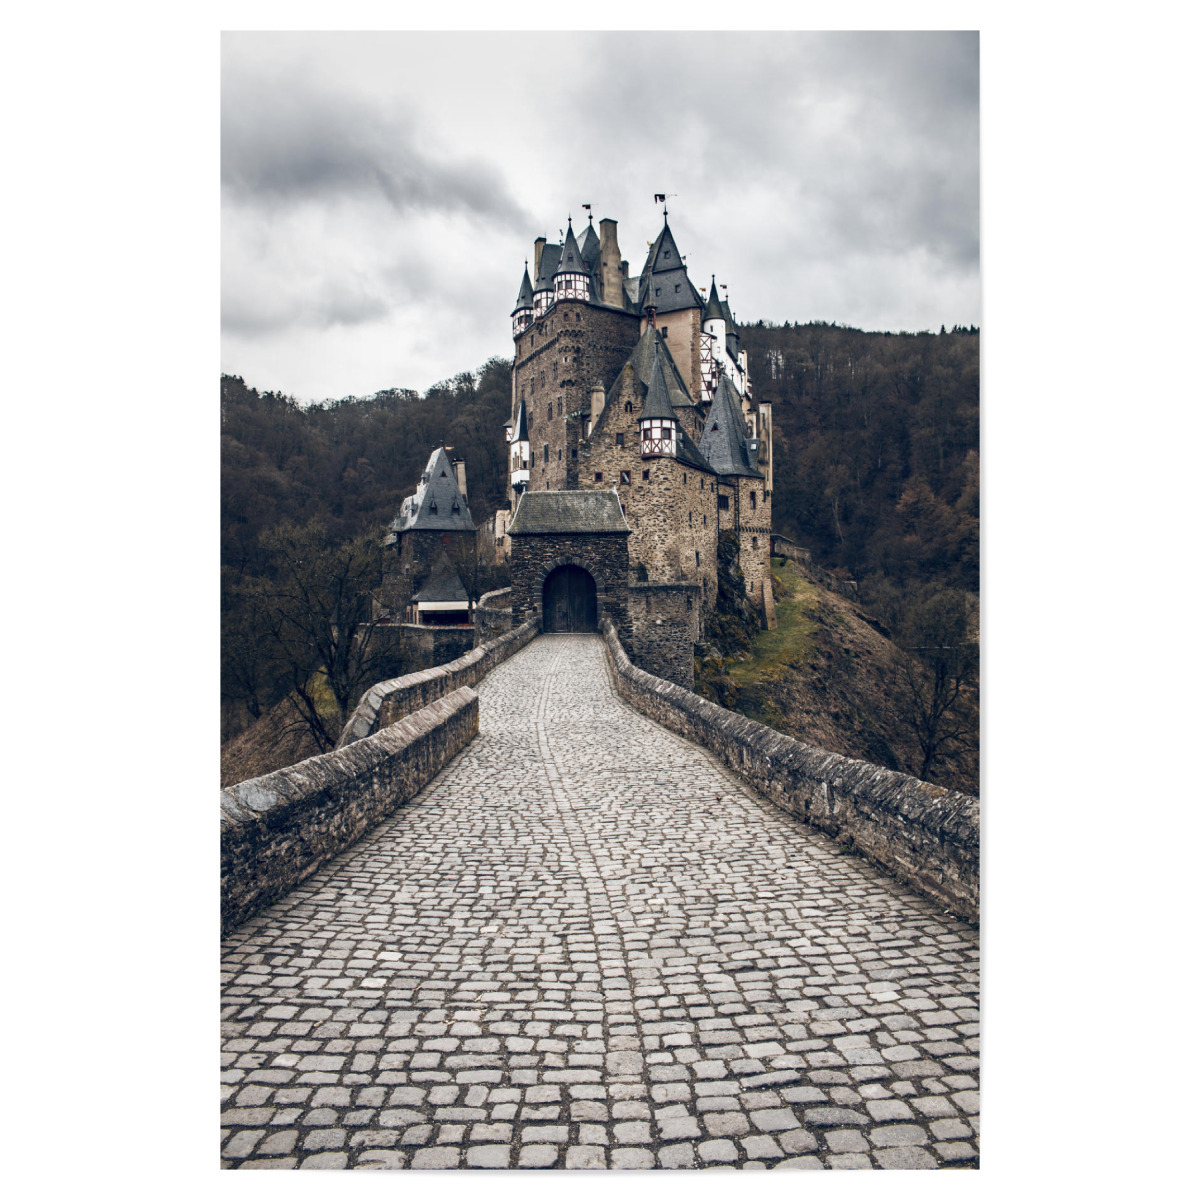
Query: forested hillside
[876, 470]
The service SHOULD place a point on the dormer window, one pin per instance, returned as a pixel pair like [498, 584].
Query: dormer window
[433, 507]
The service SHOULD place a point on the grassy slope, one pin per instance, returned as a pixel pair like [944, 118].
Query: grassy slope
[828, 677]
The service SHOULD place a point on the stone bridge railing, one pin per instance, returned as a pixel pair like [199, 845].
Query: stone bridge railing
[922, 834]
[395, 698]
[276, 830]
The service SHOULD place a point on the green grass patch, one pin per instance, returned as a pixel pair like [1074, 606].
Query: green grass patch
[792, 640]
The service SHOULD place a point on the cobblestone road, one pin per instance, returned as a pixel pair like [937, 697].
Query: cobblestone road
[587, 945]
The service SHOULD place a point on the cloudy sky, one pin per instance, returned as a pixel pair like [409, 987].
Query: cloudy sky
[380, 192]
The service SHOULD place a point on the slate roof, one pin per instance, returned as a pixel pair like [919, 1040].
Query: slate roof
[657, 404]
[712, 306]
[522, 425]
[525, 295]
[664, 282]
[642, 361]
[551, 252]
[570, 261]
[438, 490]
[724, 439]
[568, 512]
[687, 452]
[442, 586]
[590, 247]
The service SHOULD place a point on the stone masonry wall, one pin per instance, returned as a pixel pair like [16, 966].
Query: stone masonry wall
[393, 699]
[557, 361]
[666, 628]
[604, 555]
[922, 834]
[681, 331]
[276, 830]
[492, 620]
[672, 513]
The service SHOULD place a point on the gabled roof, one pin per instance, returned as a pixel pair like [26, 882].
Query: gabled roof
[443, 585]
[570, 262]
[642, 361]
[724, 439]
[525, 295]
[434, 504]
[568, 512]
[664, 254]
[521, 428]
[657, 404]
[712, 306]
[548, 266]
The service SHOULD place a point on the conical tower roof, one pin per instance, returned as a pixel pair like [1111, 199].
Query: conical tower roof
[525, 295]
[712, 306]
[571, 261]
[664, 283]
[657, 404]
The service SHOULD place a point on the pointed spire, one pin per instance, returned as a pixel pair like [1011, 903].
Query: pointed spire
[712, 306]
[590, 246]
[525, 295]
[571, 262]
[657, 405]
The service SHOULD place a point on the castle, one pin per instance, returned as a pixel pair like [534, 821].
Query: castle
[634, 441]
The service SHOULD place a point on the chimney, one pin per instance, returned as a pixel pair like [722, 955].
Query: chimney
[610, 263]
[597, 401]
[539, 244]
[460, 473]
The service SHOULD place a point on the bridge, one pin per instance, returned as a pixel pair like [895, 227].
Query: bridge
[586, 943]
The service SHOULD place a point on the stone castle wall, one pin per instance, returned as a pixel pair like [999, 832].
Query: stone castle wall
[557, 360]
[922, 834]
[666, 627]
[393, 699]
[276, 830]
[604, 555]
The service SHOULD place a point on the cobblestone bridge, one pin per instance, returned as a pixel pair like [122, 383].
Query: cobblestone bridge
[585, 944]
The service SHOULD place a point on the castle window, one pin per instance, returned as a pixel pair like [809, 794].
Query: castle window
[574, 453]
[722, 503]
[454, 508]
[677, 287]
[645, 474]
[433, 506]
[545, 453]
[550, 411]
[560, 456]
[665, 329]
[599, 476]
[697, 558]
[685, 479]
[753, 499]
[629, 406]
[560, 408]
[620, 439]
[704, 520]
[624, 476]
[689, 518]
[754, 543]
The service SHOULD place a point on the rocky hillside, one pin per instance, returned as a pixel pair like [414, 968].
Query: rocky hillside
[830, 676]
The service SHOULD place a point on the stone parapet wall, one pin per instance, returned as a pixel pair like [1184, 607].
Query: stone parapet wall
[394, 699]
[922, 834]
[276, 830]
[492, 620]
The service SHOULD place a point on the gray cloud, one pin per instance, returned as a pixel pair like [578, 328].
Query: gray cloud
[285, 138]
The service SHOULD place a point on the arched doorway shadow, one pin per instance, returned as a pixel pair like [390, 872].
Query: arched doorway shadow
[569, 601]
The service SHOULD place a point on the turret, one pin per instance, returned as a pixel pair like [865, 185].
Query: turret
[571, 276]
[546, 259]
[589, 247]
[522, 315]
[657, 423]
[714, 318]
[518, 452]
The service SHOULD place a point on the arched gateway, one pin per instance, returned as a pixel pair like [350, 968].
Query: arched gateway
[569, 601]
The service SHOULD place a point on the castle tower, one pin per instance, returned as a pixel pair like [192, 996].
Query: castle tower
[668, 301]
[518, 455]
[657, 425]
[570, 279]
[522, 315]
[545, 264]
